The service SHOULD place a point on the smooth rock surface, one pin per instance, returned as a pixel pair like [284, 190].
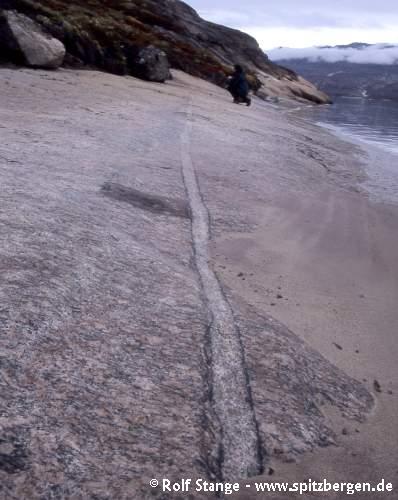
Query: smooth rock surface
[106, 356]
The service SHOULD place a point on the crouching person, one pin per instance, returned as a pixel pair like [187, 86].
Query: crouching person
[238, 86]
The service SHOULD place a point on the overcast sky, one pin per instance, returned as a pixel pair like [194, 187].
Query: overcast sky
[303, 23]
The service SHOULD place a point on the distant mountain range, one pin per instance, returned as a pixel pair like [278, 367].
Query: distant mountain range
[356, 70]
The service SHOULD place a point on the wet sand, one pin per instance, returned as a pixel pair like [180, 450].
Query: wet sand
[324, 263]
[326, 267]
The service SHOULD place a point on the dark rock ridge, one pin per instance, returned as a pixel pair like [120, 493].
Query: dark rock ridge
[110, 34]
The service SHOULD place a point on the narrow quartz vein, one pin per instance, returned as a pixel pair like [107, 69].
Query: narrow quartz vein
[231, 391]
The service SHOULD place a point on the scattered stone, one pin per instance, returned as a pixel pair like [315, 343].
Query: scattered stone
[240, 275]
[345, 431]
[273, 304]
[390, 393]
[357, 351]
[271, 471]
[279, 296]
[25, 42]
[377, 386]
[154, 64]
[338, 346]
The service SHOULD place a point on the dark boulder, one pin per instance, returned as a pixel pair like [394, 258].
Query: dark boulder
[154, 64]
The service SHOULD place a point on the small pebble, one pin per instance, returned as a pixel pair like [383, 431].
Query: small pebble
[377, 386]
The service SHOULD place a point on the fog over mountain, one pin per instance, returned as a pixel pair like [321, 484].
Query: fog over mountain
[357, 53]
[356, 70]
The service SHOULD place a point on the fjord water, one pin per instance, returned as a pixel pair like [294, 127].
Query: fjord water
[371, 121]
[372, 124]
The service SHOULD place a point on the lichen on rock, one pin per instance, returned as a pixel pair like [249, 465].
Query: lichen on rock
[109, 35]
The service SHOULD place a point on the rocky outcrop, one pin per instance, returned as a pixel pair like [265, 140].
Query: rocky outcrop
[155, 64]
[110, 35]
[297, 88]
[26, 42]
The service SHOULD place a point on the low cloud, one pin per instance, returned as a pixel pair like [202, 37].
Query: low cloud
[372, 54]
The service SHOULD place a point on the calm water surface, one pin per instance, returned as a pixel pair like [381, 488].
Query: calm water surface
[374, 124]
[371, 121]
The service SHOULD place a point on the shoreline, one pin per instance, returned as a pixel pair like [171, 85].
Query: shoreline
[376, 157]
[382, 181]
[331, 293]
[113, 320]
[340, 131]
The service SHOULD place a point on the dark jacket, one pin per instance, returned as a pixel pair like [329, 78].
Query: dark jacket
[238, 85]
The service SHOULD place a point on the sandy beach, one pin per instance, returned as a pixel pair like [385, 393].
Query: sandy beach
[112, 374]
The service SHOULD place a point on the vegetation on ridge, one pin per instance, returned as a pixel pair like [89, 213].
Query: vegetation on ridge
[108, 34]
